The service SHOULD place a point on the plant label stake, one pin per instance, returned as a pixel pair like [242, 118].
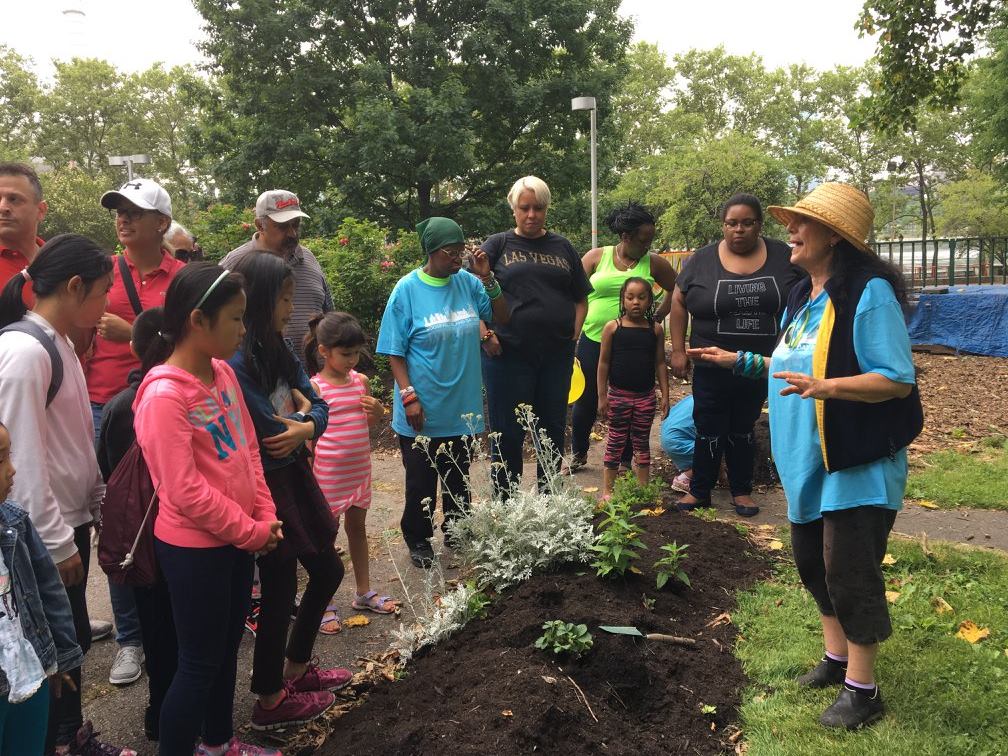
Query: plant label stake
[674, 639]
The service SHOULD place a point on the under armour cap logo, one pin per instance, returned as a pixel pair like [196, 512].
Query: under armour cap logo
[133, 184]
[282, 203]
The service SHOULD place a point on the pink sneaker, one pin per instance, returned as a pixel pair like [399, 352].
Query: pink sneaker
[681, 483]
[296, 708]
[236, 748]
[315, 678]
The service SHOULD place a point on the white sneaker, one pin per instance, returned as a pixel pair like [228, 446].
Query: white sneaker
[127, 666]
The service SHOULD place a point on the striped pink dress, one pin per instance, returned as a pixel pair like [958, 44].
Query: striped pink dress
[343, 452]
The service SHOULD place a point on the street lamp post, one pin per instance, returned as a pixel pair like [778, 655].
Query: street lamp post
[588, 103]
[129, 161]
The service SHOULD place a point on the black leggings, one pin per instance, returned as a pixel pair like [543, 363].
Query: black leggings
[278, 578]
[725, 409]
[451, 466]
[160, 645]
[839, 560]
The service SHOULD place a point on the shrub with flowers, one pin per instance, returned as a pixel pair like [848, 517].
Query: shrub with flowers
[362, 267]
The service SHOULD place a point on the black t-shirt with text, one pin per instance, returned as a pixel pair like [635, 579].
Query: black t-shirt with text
[542, 280]
[737, 312]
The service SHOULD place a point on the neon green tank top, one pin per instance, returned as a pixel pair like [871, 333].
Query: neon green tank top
[607, 280]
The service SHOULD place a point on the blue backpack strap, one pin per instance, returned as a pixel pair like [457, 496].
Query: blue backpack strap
[43, 338]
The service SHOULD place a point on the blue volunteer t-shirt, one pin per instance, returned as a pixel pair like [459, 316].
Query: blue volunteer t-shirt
[434, 325]
[882, 346]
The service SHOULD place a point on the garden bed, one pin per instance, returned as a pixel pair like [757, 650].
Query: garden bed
[487, 690]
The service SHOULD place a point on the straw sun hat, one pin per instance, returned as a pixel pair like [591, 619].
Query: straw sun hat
[840, 207]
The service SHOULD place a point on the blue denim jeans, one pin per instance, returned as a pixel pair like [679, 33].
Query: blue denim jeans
[124, 610]
[541, 380]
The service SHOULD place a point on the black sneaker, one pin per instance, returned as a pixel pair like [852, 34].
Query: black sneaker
[823, 675]
[422, 555]
[853, 710]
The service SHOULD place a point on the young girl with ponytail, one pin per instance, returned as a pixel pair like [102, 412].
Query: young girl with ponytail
[215, 510]
[44, 403]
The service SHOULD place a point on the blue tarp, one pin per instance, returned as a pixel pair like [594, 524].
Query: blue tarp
[970, 319]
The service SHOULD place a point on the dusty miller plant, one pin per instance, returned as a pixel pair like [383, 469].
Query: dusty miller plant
[507, 539]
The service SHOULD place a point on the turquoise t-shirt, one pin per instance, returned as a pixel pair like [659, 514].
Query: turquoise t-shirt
[882, 346]
[434, 324]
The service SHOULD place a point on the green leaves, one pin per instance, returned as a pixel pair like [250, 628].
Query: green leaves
[670, 565]
[564, 638]
[618, 541]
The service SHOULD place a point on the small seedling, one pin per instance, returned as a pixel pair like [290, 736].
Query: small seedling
[477, 604]
[564, 638]
[741, 528]
[708, 710]
[958, 433]
[670, 565]
[707, 514]
[648, 602]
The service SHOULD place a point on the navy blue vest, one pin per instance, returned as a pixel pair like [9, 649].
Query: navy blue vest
[856, 433]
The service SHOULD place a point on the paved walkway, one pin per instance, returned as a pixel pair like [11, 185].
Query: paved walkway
[118, 712]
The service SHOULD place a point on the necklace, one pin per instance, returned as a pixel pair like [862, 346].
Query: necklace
[621, 262]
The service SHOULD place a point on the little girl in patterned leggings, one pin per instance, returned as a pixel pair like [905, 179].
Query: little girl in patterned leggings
[343, 452]
[631, 357]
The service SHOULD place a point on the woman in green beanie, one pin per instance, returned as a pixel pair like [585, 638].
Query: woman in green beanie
[431, 334]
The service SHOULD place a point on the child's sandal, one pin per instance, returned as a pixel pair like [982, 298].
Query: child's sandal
[329, 618]
[372, 602]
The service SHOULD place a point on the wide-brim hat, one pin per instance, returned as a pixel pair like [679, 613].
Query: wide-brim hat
[841, 207]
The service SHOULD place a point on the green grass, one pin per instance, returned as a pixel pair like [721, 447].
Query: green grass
[973, 479]
[943, 695]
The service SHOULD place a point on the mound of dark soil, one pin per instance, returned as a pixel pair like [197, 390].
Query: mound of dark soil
[487, 690]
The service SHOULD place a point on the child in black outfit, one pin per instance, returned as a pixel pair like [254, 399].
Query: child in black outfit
[632, 355]
[153, 603]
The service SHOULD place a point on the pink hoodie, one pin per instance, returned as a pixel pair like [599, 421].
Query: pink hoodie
[201, 448]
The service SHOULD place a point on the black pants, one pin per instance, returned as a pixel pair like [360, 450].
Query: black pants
[585, 410]
[160, 645]
[211, 591]
[278, 578]
[65, 716]
[725, 409]
[839, 560]
[451, 465]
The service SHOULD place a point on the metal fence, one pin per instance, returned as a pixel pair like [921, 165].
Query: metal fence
[948, 262]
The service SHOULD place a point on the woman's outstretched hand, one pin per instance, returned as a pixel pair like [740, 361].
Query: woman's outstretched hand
[805, 386]
[714, 356]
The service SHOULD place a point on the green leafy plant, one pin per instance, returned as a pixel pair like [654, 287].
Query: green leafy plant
[707, 514]
[708, 710]
[478, 602]
[564, 638]
[618, 541]
[670, 565]
[742, 529]
[627, 488]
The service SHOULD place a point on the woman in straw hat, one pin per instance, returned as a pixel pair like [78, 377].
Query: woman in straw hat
[843, 408]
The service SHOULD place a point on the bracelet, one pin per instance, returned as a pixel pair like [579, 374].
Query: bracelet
[409, 399]
[495, 292]
[486, 336]
[407, 390]
[490, 281]
[749, 365]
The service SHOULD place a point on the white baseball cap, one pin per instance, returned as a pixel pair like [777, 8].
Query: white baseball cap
[144, 193]
[279, 205]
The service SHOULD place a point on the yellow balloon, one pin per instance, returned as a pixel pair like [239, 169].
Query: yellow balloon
[577, 386]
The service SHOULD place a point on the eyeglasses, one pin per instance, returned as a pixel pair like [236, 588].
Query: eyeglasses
[455, 254]
[132, 213]
[745, 223]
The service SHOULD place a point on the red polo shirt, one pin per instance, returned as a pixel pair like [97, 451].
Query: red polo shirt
[12, 263]
[107, 371]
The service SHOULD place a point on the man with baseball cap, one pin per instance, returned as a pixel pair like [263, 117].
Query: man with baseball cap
[140, 278]
[278, 217]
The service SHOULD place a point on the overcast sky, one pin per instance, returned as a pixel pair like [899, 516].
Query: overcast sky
[134, 34]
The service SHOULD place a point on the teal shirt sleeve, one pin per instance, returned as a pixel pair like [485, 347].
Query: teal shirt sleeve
[881, 342]
[393, 334]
